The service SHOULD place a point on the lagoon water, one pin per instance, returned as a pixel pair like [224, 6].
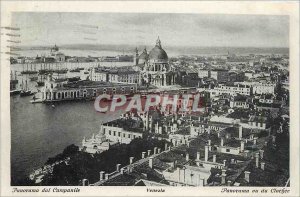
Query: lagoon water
[39, 131]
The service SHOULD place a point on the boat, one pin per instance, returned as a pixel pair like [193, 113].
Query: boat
[62, 71]
[86, 72]
[25, 92]
[72, 79]
[15, 92]
[13, 85]
[40, 82]
[33, 78]
[76, 70]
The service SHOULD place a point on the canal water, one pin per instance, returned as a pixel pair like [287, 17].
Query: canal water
[40, 131]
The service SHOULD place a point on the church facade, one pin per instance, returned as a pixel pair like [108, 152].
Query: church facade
[154, 66]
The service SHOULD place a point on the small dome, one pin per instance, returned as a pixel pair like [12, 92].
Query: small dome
[143, 57]
[157, 54]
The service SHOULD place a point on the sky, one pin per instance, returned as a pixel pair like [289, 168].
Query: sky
[200, 30]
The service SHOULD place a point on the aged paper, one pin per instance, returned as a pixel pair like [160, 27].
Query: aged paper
[180, 98]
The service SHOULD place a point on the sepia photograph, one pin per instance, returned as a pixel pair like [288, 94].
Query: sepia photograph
[97, 99]
[159, 100]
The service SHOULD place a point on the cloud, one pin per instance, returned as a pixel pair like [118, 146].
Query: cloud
[174, 29]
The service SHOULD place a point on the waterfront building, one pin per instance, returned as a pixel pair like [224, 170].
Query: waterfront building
[154, 67]
[61, 89]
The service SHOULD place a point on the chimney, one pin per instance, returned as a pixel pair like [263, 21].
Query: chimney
[254, 141]
[122, 171]
[149, 153]
[247, 175]
[106, 176]
[143, 155]
[242, 146]
[102, 175]
[222, 142]
[154, 151]
[198, 155]
[151, 162]
[118, 167]
[188, 144]
[257, 160]
[131, 160]
[240, 132]
[158, 150]
[215, 158]
[160, 130]
[273, 138]
[187, 157]
[209, 142]
[206, 153]
[232, 161]
[262, 165]
[227, 136]
[228, 183]
[261, 152]
[166, 146]
[223, 176]
[85, 182]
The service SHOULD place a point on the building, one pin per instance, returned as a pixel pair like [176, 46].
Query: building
[232, 90]
[154, 67]
[61, 89]
[116, 75]
[259, 87]
[239, 102]
[220, 75]
[204, 73]
[57, 55]
[98, 143]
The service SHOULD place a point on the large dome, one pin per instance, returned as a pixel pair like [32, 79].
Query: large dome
[157, 54]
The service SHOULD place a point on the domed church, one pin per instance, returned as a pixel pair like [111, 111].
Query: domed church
[154, 66]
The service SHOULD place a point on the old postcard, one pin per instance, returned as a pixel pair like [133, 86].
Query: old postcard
[179, 98]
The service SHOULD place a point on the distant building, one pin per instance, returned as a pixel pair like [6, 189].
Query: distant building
[220, 75]
[204, 73]
[154, 67]
[116, 75]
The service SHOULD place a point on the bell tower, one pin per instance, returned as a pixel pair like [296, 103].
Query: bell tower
[136, 58]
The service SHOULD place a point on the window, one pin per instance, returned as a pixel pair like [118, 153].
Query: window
[109, 132]
[114, 133]
[119, 134]
[129, 136]
[123, 134]
[227, 150]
